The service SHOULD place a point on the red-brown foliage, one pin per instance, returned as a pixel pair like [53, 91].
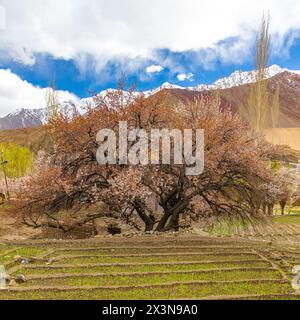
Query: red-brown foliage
[236, 179]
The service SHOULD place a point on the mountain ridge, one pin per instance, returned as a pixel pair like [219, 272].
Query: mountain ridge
[24, 118]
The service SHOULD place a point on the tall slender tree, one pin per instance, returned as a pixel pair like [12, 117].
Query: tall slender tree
[258, 102]
[52, 102]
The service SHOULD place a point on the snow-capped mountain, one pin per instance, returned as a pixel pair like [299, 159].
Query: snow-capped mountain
[239, 78]
[22, 118]
[236, 79]
[168, 85]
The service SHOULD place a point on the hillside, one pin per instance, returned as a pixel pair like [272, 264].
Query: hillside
[232, 96]
[289, 95]
[284, 136]
[35, 138]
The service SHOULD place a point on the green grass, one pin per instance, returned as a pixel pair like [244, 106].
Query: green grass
[147, 250]
[228, 227]
[295, 218]
[112, 280]
[145, 259]
[140, 268]
[173, 292]
[230, 257]
[24, 252]
[3, 249]
[289, 210]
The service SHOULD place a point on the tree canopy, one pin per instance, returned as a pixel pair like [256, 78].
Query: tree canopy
[237, 178]
[19, 159]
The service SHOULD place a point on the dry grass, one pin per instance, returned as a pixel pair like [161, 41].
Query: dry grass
[35, 138]
[284, 136]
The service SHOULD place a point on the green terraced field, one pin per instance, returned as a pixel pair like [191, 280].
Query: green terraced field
[171, 268]
[135, 268]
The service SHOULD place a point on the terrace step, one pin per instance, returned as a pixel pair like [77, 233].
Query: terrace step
[133, 274]
[90, 265]
[177, 254]
[153, 248]
[144, 286]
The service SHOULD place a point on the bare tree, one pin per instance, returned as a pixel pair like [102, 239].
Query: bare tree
[52, 102]
[258, 101]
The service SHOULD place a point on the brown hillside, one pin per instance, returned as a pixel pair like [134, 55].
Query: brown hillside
[285, 137]
[289, 84]
[289, 95]
[34, 138]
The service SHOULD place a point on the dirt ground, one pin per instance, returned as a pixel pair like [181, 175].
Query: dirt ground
[11, 229]
[278, 229]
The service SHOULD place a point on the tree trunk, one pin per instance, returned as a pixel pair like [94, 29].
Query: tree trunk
[174, 214]
[282, 206]
[174, 222]
[264, 208]
[162, 223]
[148, 220]
[149, 226]
[270, 209]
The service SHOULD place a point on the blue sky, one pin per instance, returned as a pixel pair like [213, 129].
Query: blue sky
[67, 75]
[85, 46]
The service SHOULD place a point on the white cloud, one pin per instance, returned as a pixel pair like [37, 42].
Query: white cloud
[184, 77]
[101, 29]
[16, 93]
[154, 69]
[2, 18]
